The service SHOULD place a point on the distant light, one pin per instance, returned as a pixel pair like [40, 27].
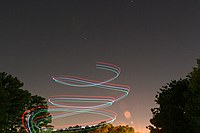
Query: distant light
[131, 122]
[127, 114]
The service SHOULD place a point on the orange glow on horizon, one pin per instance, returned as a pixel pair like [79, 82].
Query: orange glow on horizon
[139, 128]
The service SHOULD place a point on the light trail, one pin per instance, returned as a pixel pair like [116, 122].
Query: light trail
[61, 104]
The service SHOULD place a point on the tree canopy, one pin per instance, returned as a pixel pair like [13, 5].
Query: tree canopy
[102, 127]
[179, 106]
[193, 99]
[13, 102]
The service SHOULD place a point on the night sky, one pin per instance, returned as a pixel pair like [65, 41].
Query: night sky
[153, 41]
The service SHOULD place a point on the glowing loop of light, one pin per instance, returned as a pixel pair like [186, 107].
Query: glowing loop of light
[31, 118]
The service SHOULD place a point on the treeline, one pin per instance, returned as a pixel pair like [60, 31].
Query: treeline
[102, 127]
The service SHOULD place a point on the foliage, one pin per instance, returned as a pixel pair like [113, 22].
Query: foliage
[13, 102]
[100, 128]
[109, 128]
[179, 106]
[39, 114]
[193, 96]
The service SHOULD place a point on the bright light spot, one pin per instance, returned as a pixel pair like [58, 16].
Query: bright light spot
[127, 114]
[131, 122]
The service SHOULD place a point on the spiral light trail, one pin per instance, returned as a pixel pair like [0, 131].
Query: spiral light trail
[61, 104]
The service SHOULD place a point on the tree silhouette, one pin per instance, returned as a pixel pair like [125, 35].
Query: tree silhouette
[13, 102]
[179, 106]
[193, 96]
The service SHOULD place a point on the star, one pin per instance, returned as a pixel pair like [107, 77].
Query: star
[84, 37]
[132, 2]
